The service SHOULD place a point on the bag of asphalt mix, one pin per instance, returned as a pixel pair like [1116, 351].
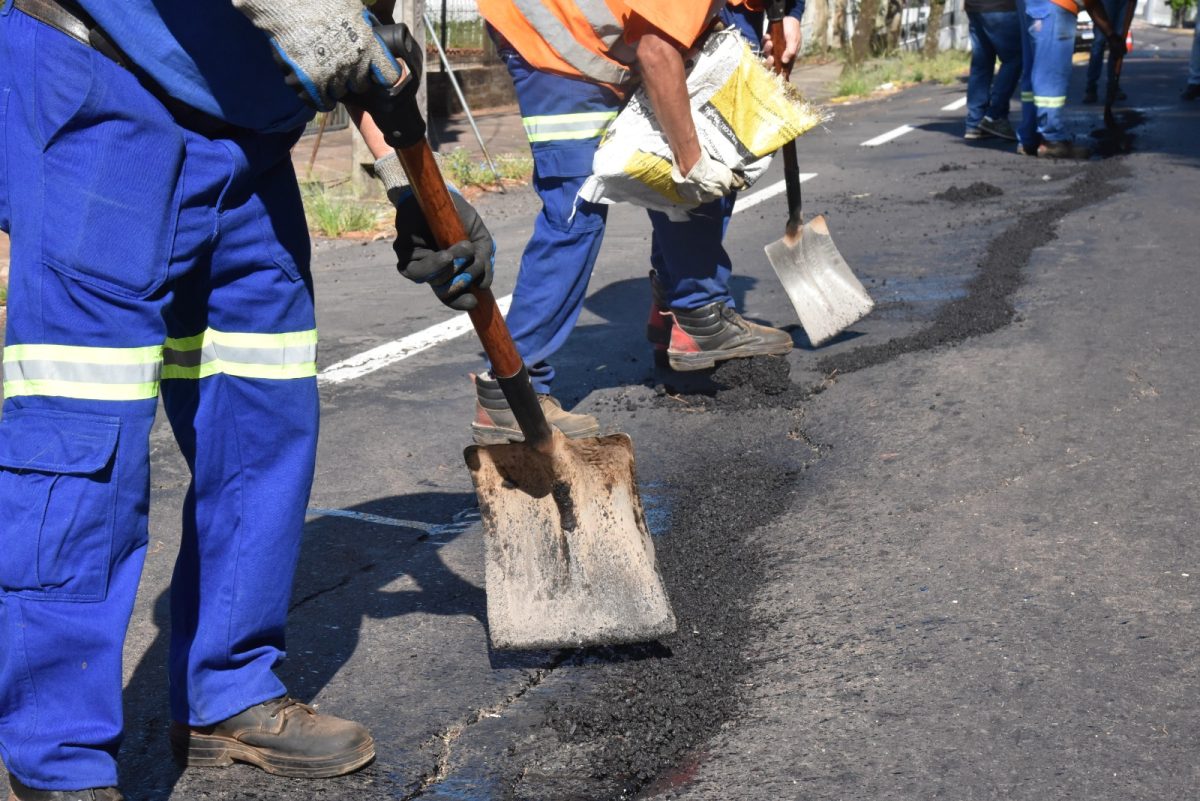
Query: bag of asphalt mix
[743, 113]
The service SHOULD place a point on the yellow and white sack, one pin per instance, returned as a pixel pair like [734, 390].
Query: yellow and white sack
[743, 113]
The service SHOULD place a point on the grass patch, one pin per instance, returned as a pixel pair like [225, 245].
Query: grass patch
[900, 69]
[463, 170]
[332, 215]
[3, 296]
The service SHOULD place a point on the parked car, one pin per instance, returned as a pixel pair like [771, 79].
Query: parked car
[1085, 32]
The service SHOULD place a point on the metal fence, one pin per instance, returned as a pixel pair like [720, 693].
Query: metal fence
[458, 25]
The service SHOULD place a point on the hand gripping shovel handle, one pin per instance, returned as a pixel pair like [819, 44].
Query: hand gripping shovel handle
[791, 167]
[1114, 68]
[429, 187]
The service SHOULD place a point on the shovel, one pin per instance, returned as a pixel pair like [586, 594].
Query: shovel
[826, 295]
[569, 560]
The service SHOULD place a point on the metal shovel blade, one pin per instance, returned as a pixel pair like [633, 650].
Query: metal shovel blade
[823, 290]
[568, 558]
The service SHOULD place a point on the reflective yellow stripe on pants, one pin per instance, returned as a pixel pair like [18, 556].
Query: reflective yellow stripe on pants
[76, 371]
[583, 125]
[275, 356]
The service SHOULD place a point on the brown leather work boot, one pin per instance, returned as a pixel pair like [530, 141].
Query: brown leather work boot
[282, 736]
[495, 424]
[19, 792]
[702, 337]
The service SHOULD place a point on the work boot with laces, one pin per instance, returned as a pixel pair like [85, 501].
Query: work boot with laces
[702, 337]
[19, 792]
[281, 736]
[495, 423]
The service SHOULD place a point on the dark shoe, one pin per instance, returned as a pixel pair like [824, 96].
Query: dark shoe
[495, 424]
[974, 133]
[1000, 128]
[1064, 149]
[713, 333]
[19, 792]
[1191, 92]
[1024, 150]
[1089, 96]
[658, 323]
[283, 737]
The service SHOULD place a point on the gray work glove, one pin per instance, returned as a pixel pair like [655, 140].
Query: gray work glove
[326, 47]
[708, 179]
[451, 272]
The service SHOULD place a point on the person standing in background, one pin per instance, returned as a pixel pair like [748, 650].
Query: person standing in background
[995, 33]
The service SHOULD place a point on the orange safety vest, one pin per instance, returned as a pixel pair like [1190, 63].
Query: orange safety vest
[589, 38]
[1069, 5]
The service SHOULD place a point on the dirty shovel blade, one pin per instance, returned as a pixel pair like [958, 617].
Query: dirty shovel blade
[825, 293]
[568, 558]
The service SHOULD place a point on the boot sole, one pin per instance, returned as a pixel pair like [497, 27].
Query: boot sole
[197, 750]
[703, 360]
[488, 435]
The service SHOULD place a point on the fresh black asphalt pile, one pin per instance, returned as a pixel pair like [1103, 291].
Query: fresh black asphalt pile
[980, 190]
[638, 722]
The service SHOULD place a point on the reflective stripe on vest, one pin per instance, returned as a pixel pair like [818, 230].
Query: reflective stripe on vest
[276, 356]
[74, 371]
[584, 125]
[559, 37]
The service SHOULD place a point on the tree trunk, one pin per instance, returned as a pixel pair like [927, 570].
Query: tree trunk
[864, 31]
[820, 25]
[839, 24]
[933, 32]
[895, 15]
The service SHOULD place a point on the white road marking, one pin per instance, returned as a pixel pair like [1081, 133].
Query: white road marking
[956, 105]
[889, 136]
[461, 522]
[767, 193]
[390, 352]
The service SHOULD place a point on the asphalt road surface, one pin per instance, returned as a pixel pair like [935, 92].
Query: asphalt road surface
[950, 555]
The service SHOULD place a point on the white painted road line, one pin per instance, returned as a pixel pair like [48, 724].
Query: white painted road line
[390, 352]
[956, 105]
[889, 136]
[767, 193]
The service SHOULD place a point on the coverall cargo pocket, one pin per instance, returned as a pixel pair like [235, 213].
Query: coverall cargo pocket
[112, 161]
[58, 491]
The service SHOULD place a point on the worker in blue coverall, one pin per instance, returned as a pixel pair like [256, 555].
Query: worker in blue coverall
[159, 245]
[564, 120]
[1047, 43]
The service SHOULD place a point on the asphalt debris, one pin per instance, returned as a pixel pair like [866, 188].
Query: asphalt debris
[980, 190]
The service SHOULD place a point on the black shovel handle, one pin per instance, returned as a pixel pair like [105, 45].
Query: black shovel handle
[791, 166]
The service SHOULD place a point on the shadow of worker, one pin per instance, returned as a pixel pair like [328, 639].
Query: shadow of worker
[379, 560]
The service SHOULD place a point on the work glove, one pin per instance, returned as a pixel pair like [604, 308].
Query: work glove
[326, 47]
[451, 272]
[707, 180]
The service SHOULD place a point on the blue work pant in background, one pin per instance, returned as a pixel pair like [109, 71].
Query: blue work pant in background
[994, 34]
[1047, 43]
[1115, 9]
[145, 258]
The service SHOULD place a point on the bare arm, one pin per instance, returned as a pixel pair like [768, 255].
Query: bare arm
[1096, 11]
[661, 66]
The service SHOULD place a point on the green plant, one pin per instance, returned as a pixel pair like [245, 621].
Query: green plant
[333, 215]
[902, 68]
[463, 170]
[1179, 10]
[3, 295]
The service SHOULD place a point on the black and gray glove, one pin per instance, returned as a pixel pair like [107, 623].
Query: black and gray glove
[451, 272]
[326, 47]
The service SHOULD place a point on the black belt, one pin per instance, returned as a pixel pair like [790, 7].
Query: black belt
[70, 18]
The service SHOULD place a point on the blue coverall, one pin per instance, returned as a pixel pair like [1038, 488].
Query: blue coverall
[1047, 43]
[564, 119]
[146, 258]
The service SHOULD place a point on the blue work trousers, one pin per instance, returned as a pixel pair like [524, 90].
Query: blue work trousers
[564, 119]
[1047, 43]
[1115, 9]
[145, 258]
[994, 34]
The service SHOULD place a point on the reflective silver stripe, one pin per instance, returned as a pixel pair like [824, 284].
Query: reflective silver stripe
[583, 125]
[81, 373]
[558, 37]
[289, 355]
